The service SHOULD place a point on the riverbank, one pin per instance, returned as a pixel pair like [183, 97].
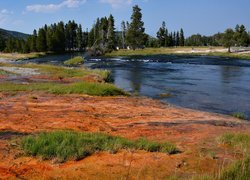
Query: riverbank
[181, 51]
[195, 134]
[43, 98]
[20, 56]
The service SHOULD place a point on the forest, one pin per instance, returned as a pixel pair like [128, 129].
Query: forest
[64, 37]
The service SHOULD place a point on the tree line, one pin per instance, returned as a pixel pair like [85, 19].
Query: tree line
[58, 37]
[237, 37]
[103, 37]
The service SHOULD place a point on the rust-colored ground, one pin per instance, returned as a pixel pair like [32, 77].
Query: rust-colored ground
[195, 134]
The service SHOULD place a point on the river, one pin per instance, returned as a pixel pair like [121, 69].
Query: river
[212, 84]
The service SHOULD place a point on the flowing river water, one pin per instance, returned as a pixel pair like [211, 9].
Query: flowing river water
[212, 84]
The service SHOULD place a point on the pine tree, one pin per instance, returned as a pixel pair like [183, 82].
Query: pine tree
[41, 40]
[111, 33]
[33, 42]
[182, 38]
[60, 37]
[50, 39]
[162, 35]
[91, 37]
[104, 30]
[177, 38]
[174, 39]
[79, 37]
[136, 36]
[124, 31]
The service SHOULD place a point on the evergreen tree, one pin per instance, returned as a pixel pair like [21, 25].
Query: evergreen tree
[182, 38]
[111, 33]
[85, 39]
[97, 33]
[162, 35]
[177, 39]
[241, 36]
[91, 37]
[41, 40]
[174, 39]
[136, 36]
[50, 40]
[33, 42]
[104, 30]
[70, 33]
[124, 31]
[60, 37]
[79, 37]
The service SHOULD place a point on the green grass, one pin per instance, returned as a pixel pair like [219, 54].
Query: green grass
[239, 115]
[173, 51]
[63, 72]
[66, 145]
[236, 140]
[240, 169]
[95, 89]
[22, 56]
[3, 72]
[230, 55]
[74, 61]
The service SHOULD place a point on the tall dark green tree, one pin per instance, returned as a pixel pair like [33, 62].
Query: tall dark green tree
[182, 38]
[162, 35]
[124, 31]
[60, 37]
[111, 33]
[104, 24]
[79, 38]
[33, 47]
[177, 40]
[41, 40]
[136, 37]
[70, 33]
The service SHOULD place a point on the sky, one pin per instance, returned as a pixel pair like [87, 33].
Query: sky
[206, 17]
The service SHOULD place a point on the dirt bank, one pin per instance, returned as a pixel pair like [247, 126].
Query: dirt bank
[194, 132]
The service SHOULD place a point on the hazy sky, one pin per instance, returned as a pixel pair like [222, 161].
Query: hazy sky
[194, 16]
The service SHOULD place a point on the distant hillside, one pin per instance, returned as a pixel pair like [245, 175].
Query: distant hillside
[7, 34]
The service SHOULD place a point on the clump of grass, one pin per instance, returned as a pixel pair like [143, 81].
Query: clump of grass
[236, 140]
[238, 170]
[241, 168]
[66, 145]
[166, 95]
[3, 72]
[239, 115]
[95, 89]
[74, 61]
